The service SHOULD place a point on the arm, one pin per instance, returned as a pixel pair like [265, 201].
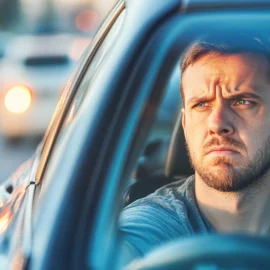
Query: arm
[147, 224]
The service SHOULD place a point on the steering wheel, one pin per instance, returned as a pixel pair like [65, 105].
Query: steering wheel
[230, 251]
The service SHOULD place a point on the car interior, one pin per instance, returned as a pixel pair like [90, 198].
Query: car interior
[160, 165]
[164, 159]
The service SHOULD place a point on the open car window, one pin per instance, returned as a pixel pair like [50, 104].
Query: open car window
[196, 110]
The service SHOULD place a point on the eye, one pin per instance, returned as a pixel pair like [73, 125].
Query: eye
[201, 104]
[244, 102]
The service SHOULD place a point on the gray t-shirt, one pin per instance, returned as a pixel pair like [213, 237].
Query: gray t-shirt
[168, 214]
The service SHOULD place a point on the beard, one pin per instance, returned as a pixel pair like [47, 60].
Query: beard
[228, 178]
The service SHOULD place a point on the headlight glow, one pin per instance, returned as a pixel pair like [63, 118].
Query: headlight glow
[18, 99]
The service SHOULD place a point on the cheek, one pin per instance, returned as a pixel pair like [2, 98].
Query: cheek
[195, 122]
[254, 138]
[195, 136]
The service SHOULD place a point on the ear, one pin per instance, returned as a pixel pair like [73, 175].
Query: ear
[183, 112]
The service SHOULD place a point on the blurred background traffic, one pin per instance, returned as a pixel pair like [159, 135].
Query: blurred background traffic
[40, 43]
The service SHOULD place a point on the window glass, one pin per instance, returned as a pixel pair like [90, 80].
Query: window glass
[89, 78]
[93, 69]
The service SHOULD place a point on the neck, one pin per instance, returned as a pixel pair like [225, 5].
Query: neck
[246, 211]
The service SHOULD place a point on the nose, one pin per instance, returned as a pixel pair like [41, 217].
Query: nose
[220, 121]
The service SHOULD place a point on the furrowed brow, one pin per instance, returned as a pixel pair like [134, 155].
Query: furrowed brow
[196, 100]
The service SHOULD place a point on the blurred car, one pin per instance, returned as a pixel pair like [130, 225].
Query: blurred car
[60, 210]
[32, 75]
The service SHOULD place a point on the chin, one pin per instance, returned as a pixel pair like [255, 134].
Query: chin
[223, 161]
[224, 178]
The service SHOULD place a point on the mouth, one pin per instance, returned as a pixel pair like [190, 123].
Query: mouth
[222, 151]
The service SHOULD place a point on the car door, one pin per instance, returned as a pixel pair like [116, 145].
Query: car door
[27, 182]
[94, 138]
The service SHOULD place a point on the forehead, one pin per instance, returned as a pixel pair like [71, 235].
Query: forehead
[231, 70]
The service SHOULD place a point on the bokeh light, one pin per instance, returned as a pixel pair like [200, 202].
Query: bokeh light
[18, 99]
[87, 20]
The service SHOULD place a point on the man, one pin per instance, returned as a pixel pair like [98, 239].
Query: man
[225, 89]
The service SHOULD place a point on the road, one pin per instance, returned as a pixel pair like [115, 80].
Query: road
[11, 156]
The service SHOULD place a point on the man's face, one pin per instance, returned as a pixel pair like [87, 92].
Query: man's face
[226, 119]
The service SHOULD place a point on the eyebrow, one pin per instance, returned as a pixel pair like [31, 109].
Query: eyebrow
[229, 97]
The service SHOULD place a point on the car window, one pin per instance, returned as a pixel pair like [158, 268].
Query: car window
[197, 110]
[91, 72]
[93, 69]
[89, 78]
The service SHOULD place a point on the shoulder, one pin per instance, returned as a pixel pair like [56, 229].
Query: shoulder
[143, 221]
[166, 202]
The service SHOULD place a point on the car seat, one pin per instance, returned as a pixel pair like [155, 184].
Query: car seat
[164, 160]
[150, 171]
[177, 163]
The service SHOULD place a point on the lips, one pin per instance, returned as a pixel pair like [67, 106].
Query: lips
[222, 150]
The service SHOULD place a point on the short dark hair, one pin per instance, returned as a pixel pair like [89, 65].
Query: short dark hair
[222, 45]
